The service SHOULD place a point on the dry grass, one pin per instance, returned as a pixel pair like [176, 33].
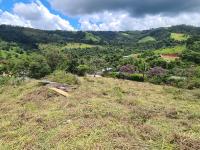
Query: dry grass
[101, 114]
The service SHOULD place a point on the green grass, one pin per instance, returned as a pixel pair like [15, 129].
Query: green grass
[78, 45]
[91, 37]
[125, 34]
[11, 53]
[179, 36]
[171, 50]
[102, 113]
[63, 77]
[147, 39]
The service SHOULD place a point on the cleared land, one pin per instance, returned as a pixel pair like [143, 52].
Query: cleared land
[179, 36]
[147, 39]
[171, 50]
[170, 57]
[101, 114]
[78, 45]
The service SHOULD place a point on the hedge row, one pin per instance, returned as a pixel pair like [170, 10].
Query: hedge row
[132, 77]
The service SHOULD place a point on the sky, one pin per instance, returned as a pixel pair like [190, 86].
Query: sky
[99, 15]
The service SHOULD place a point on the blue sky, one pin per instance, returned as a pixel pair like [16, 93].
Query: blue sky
[99, 14]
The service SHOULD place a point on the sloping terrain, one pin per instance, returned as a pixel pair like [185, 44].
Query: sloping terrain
[179, 36]
[171, 50]
[29, 37]
[102, 113]
[147, 39]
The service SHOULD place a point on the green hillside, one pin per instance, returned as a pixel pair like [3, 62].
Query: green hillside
[171, 50]
[179, 37]
[147, 39]
[30, 37]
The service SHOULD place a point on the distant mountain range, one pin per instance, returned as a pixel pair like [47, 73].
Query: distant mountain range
[29, 36]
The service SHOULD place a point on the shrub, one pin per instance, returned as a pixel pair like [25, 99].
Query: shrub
[197, 72]
[159, 62]
[157, 75]
[2, 69]
[191, 56]
[82, 70]
[111, 74]
[127, 69]
[10, 81]
[156, 72]
[136, 77]
[133, 77]
[4, 80]
[63, 77]
[193, 83]
[38, 67]
[176, 81]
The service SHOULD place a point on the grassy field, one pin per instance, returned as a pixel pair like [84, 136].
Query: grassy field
[147, 39]
[91, 37]
[171, 50]
[179, 36]
[78, 45]
[101, 114]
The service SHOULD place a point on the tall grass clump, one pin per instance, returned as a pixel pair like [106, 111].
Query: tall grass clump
[63, 77]
[10, 81]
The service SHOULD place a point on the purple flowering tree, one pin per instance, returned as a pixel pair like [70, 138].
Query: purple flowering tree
[157, 72]
[127, 69]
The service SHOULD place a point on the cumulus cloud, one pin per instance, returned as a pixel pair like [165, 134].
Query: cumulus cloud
[105, 14]
[12, 19]
[116, 21]
[135, 8]
[35, 15]
[130, 14]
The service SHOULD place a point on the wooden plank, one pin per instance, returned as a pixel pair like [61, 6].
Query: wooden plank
[61, 92]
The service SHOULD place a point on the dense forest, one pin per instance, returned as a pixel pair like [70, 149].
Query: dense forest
[162, 56]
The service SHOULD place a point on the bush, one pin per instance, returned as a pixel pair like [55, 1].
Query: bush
[111, 74]
[63, 77]
[2, 69]
[176, 81]
[126, 76]
[4, 80]
[82, 70]
[38, 67]
[197, 72]
[136, 77]
[127, 69]
[10, 81]
[156, 72]
[159, 62]
[194, 83]
[191, 56]
[157, 75]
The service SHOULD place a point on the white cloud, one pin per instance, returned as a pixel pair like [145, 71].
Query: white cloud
[34, 15]
[123, 21]
[12, 19]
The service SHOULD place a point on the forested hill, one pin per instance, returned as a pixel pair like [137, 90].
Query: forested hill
[30, 37]
[166, 53]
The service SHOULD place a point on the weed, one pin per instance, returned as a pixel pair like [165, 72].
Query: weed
[185, 143]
